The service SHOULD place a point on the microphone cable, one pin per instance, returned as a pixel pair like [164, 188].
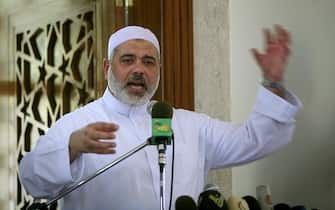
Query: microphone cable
[172, 172]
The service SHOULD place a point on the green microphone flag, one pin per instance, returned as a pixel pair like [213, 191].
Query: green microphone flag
[161, 123]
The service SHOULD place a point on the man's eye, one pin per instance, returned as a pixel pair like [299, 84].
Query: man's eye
[127, 60]
[149, 62]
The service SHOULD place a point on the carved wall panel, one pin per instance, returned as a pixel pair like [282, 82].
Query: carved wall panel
[55, 73]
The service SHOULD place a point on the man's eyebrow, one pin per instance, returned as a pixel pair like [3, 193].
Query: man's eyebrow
[150, 57]
[127, 55]
[133, 55]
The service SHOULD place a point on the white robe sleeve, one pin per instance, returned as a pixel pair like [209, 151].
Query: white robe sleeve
[269, 127]
[47, 170]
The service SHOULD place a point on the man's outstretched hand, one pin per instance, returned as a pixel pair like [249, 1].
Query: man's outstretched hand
[277, 49]
[97, 138]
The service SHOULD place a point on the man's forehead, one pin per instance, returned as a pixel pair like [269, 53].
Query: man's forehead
[135, 46]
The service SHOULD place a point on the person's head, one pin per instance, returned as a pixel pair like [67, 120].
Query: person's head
[133, 66]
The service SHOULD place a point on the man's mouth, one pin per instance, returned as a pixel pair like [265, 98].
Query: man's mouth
[137, 86]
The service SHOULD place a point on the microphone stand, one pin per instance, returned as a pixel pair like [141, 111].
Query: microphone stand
[162, 162]
[44, 206]
[161, 143]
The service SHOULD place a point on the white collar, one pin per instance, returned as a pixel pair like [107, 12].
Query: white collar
[116, 105]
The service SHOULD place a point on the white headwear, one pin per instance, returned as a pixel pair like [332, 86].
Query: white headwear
[128, 33]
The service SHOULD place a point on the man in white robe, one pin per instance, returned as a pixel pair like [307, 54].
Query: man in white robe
[85, 140]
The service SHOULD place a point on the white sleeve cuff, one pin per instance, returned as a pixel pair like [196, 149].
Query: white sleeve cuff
[76, 167]
[273, 106]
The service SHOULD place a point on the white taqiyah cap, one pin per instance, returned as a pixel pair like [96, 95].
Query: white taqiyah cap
[131, 32]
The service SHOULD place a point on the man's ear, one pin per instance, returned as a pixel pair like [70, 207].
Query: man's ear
[106, 67]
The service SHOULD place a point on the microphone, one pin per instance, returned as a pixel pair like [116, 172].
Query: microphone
[281, 206]
[38, 206]
[150, 105]
[185, 202]
[299, 207]
[252, 202]
[264, 197]
[161, 115]
[237, 203]
[211, 198]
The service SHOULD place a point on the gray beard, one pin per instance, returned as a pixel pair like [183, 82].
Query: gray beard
[120, 92]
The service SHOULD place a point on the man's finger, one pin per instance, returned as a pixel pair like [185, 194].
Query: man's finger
[106, 151]
[283, 35]
[104, 126]
[257, 55]
[94, 146]
[269, 39]
[105, 148]
[96, 135]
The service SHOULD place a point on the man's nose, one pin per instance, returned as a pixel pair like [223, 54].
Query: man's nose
[139, 66]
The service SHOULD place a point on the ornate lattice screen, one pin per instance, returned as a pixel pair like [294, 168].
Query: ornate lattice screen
[55, 73]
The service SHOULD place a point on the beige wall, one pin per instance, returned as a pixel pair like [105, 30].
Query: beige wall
[303, 172]
[211, 69]
[5, 7]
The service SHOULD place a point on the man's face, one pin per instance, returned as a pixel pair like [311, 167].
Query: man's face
[133, 76]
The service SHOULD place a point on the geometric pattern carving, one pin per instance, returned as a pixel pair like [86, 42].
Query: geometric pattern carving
[54, 68]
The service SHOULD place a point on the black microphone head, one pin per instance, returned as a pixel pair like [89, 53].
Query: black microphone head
[161, 110]
[281, 206]
[252, 202]
[300, 207]
[150, 105]
[212, 199]
[38, 206]
[185, 202]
